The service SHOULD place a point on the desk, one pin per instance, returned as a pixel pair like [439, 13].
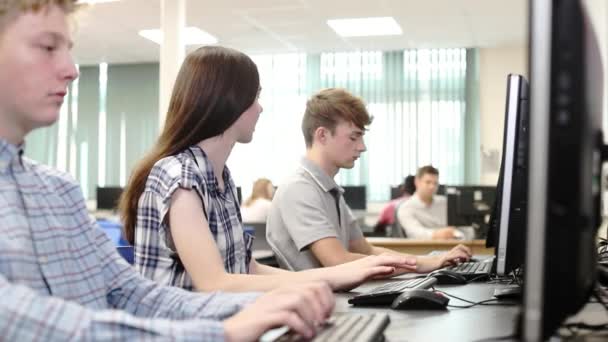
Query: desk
[413, 246]
[456, 324]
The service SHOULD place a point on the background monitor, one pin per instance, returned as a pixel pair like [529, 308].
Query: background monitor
[107, 197]
[355, 196]
[239, 195]
[469, 205]
[507, 227]
[565, 149]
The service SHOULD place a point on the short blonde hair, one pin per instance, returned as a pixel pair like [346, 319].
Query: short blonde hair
[328, 107]
[10, 9]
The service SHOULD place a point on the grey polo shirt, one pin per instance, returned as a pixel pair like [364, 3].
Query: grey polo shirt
[304, 210]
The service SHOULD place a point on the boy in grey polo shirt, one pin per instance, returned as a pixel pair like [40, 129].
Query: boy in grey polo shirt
[309, 224]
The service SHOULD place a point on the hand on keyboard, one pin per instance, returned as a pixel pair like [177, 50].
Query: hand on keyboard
[300, 307]
[352, 274]
[456, 255]
[352, 327]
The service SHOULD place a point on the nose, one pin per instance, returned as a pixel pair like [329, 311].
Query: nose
[68, 69]
[362, 147]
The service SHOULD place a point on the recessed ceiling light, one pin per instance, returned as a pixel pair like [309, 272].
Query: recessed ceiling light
[192, 36]
[365, 27]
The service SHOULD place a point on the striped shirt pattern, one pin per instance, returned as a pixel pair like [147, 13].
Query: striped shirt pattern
[62, 279]
[155, 254]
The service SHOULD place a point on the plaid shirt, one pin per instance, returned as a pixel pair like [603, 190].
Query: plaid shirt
[155, 254]
[61, 278]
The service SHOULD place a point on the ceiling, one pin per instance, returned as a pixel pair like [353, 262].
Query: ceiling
[107, 32]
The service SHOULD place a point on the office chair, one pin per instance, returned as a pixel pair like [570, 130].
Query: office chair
[397, 230]
[127, 252]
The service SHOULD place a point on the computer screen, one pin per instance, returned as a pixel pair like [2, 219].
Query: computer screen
[239, 195]
[107, 197]
[507, 228]
[469, 205]
[565, 157]
[355, 196]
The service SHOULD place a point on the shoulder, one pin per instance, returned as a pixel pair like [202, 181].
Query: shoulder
[263, 203]
[52, 177]
[298, 186]
[439, 200]
[171, 170]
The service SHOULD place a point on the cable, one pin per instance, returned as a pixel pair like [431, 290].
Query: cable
[483, 302]
[599, 291]
[472, 304]
[577, 329]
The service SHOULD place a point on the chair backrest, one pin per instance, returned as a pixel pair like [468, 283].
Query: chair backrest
[127, 252]
[260, 241]
[397, 230]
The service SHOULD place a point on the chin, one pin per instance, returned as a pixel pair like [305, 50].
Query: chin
[45, 120]
[348, 165]
[245, 140]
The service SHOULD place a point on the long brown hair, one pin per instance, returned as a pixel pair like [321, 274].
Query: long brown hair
[214, 86]
[260, 190]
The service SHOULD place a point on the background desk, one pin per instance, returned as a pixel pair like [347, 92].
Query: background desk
[413, 246]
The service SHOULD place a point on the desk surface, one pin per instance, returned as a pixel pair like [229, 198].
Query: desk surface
[454, 324]
[481, 322]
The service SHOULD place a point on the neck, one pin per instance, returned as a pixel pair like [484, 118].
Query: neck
[317, 158]
[11, 132]
[218, 150]
[426, 200]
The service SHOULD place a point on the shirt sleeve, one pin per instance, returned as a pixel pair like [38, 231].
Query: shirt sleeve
[155, 253]
[412, 226]
[304, 215]
[130, 291]
[28, 316]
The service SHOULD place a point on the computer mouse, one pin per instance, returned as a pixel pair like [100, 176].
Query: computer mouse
[447, 277]
[419, 299]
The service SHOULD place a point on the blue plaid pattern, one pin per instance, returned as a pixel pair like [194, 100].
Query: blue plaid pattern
[155, 254]
[62, 279]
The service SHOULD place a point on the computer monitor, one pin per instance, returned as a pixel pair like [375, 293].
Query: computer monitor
[355, 196]
[469, 205]
[239, 195]
[507, 227]
[108, 196]
[566, 147]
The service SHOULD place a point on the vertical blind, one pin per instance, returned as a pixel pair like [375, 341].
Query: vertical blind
[418, 99]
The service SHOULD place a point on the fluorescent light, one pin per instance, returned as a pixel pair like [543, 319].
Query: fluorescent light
[365, 27]
[192, 36]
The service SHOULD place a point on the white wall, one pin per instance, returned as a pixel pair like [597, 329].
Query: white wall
[494, 66]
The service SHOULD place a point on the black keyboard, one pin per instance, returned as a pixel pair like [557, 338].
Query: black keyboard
[473, 270]
[343, 327]
[385, 294]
